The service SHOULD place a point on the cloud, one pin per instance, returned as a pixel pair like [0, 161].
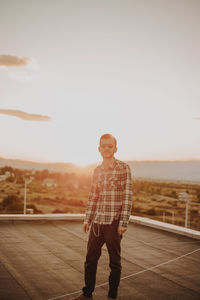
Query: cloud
[198, 118]
[25, 116]
[21, 68]
[7, 60]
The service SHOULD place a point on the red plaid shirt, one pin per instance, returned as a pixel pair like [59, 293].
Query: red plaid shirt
[110, 197]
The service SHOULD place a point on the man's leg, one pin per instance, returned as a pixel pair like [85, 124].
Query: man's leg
[113, 241]
[94, 246]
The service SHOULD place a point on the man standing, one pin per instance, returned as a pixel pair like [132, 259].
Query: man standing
[107, 215]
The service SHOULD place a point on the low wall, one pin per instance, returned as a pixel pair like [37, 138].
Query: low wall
[135, 219]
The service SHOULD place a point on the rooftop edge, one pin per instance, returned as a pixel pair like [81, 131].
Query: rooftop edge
[133, 219]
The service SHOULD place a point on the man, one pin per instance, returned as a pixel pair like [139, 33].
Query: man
[107, 215]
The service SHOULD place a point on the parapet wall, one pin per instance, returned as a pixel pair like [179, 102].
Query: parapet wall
[133, 219]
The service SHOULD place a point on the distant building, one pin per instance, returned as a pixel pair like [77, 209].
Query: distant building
[49, 183]
[185, 196]
[5, 176]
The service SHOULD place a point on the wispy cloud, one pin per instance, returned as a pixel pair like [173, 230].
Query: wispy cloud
[7, 60]
[22, 68]
[25, 116]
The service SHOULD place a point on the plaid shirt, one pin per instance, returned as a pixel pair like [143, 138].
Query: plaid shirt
[110, 197]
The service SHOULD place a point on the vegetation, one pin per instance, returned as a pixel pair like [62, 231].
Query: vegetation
[54, 192]
[64, 192]
[11, 204]
[159, 200]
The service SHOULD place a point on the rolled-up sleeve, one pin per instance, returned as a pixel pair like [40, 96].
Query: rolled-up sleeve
[127, 198]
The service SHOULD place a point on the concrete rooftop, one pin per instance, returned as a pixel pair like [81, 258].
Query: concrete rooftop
[43, 259]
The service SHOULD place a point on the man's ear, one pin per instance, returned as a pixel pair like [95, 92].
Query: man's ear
[115, 149]
[99, 149]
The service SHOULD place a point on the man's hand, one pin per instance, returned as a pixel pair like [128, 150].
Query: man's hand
[86, 227]
[121, 230]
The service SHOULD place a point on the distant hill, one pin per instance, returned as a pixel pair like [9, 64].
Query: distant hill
[166, 170]
[54, 167]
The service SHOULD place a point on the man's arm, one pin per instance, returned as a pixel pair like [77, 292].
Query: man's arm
[86, 227]
[127, 202]
[91, 206]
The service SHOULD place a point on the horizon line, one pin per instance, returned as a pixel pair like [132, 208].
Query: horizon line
[92, 163]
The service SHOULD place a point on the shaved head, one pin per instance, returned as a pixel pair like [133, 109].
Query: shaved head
[108, 136]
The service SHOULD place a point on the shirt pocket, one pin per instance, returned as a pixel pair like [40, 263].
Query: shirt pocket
[114, 184]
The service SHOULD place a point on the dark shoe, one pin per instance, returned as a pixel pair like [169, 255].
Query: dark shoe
[82, 297]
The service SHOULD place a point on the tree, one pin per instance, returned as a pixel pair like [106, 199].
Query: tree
[198, 195]
[10, 179]
[6, 169]
[12, 204]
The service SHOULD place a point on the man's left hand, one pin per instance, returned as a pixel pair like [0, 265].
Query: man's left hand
[121, 230]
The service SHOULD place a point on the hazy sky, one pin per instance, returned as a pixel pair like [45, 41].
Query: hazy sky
[73, 70]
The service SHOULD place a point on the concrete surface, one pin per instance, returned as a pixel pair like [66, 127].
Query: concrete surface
[43, 259]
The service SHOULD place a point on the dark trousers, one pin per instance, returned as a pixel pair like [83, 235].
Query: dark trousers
[100, 234]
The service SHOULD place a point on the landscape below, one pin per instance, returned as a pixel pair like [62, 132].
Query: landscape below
[58, 192]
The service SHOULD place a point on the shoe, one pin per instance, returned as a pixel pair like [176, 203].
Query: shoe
[82, 297]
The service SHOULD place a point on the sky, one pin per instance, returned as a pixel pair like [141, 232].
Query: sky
[71, 71]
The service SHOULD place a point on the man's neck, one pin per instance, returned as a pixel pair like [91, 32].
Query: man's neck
[108, 161]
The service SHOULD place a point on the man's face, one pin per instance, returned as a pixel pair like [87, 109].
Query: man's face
[107, 148]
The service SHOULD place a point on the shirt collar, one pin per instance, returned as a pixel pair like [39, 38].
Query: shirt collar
[111, 166]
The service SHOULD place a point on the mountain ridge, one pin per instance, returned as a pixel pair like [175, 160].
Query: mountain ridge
[185, 170]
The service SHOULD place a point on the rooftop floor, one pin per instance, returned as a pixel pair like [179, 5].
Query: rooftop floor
[44, 259]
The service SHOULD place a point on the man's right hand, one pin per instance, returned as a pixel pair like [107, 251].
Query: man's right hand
[86, 227]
